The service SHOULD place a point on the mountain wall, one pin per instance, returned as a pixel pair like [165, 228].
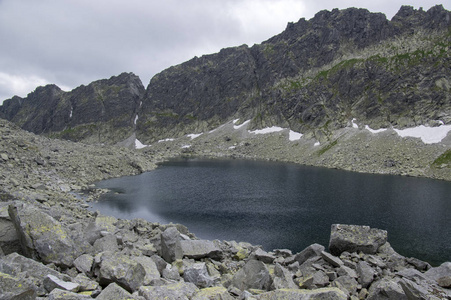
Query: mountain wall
[102, 112]
[314, 77]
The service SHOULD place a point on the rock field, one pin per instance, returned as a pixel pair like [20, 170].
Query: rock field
[53, 247]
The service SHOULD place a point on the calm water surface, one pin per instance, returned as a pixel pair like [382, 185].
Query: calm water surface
[279, 205]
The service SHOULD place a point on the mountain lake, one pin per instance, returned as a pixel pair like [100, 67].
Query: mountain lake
[282, 205]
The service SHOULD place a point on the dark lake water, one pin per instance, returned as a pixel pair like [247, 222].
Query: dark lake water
[280, 205]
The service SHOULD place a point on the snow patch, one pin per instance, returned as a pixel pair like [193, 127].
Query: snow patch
[354, 125]
[236, 120]
[239, 126]
[139, 145]
[136, 119]
[193, 135]
[429, 135]
[166, 140]
[294, 136]
[186, 146]
[71, 111]
[316, 144]
[232, 147]
[267, 130]
[374, 130]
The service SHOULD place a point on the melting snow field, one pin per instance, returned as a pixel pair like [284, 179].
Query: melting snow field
[267, 130]
[294, 136]
[139, 145]
[194, 135]
[429, 135]
[239, 126]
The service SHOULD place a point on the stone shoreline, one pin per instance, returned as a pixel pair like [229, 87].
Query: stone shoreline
[52, 247]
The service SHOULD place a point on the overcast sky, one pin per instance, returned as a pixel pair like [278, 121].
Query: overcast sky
[74, 42]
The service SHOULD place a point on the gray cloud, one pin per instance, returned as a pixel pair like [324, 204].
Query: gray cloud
[74, 42]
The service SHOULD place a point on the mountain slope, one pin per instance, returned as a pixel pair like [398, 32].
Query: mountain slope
[315, 77]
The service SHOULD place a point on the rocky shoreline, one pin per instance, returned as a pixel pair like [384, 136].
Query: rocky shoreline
[52, 247]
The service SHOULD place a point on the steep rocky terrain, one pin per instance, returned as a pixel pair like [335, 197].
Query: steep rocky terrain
[52, 247]
[102, 112]
[314, 78]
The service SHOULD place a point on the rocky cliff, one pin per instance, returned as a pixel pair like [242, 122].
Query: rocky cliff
[102, 112]
[315, 76]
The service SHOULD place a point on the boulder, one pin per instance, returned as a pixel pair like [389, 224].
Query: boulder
[355, 238]
[83, 263]
[85, 283]
[198, 274]
[171, 248]
[347, 284]
[283, 279]
[309, 252]
[41, 236]
[17, 265]
[197, 249]
[365, 273]
[9, 240]
[115, 292]
[174, 291]
[213, 293]
[106, 243]
[12, 287]
[121, 269]
[264, 256]
[333, 260]
[58, 294]
[253, 275]
[287, 294]
[443, 270]
[52, 282]
[386, 289]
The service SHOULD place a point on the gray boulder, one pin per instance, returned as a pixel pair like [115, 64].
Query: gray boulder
[347, 284]
[198, 274]
[12, 287]
[9, 240]
[115, 292]
[121, 269]
[174, 291]
[444, 270]
[309, 252]
[355, 238]
[58, 294]
[106, 243]
[83, 263]
[253, 275]
[197, 249]
[333, 260]
[386, 289]
[171, 248]
[287, 294]
[283, 279]
[365, 273]
[213, 293]
[264, 256]
[42, 237]
[52, 282]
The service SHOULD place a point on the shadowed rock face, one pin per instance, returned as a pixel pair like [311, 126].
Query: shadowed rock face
[103, 110]
[314, 77]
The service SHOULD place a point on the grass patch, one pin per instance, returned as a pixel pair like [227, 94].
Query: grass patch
[327, 147]
[445, 158]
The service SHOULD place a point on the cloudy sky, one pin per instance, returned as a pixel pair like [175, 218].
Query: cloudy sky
[74, 42]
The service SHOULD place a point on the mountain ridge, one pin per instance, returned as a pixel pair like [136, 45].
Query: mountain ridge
[314, 77]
